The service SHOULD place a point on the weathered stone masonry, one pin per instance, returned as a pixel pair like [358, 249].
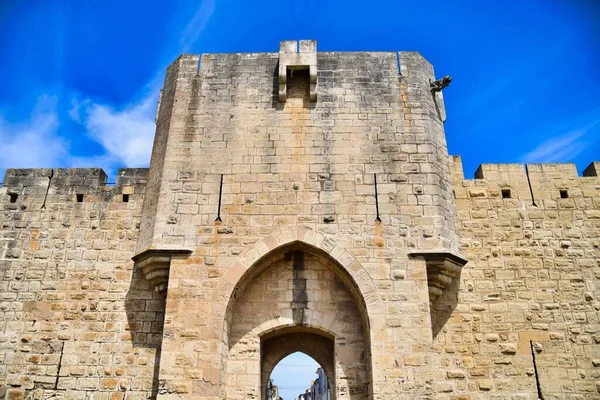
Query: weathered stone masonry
[138, 290]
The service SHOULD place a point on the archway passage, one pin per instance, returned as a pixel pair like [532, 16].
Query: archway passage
[277, 345]
[297, 299]
[296, 374]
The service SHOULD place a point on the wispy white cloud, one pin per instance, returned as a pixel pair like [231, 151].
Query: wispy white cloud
[33, 143]
[75, 110]
[196, 25]
[126, 135]
[182, 41]
[563, 147]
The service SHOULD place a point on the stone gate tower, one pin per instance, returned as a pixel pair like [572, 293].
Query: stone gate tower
[301, 201]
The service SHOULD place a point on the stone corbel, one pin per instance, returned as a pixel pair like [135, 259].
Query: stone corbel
[442, 268]
[293, 56]
[155, 264]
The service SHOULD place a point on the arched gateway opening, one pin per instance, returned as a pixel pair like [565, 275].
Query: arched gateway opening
[277, 345]
[296, 374]
[296, 298]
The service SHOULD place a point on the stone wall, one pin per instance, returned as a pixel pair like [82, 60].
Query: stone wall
[74, 323]
[533, 275]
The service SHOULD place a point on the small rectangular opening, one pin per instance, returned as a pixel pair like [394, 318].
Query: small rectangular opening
[13, 197]
[564, 194]
[298, 82]
[506, 193]
[79, 197]
[125, 198]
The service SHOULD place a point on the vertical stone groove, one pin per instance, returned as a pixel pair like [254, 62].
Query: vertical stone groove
[299, 294]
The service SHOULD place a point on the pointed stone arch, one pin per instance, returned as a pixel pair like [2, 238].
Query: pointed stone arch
[303, 237]
[272, 249]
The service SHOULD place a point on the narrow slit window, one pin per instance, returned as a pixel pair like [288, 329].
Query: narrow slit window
[125, 198]
[79, 197]
[506, 193]
[13, 197]
[564, 194]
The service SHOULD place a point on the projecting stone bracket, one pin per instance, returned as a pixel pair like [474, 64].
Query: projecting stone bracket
[155, 263]
[442, 268]
[294, 56]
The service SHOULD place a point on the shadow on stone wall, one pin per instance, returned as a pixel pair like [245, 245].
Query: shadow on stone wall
[145, 310]
[442, 308]
[298, 88]
[275, 90]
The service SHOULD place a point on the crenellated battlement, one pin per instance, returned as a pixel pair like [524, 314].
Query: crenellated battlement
[35, 183]
[533, 182]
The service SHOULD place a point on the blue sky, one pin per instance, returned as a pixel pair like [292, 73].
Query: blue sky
[80, 78]
[294, 374]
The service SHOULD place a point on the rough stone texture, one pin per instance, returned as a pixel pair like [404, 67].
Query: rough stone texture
[533, 275]
[73, 316]
[293, 293]
[298, 256]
